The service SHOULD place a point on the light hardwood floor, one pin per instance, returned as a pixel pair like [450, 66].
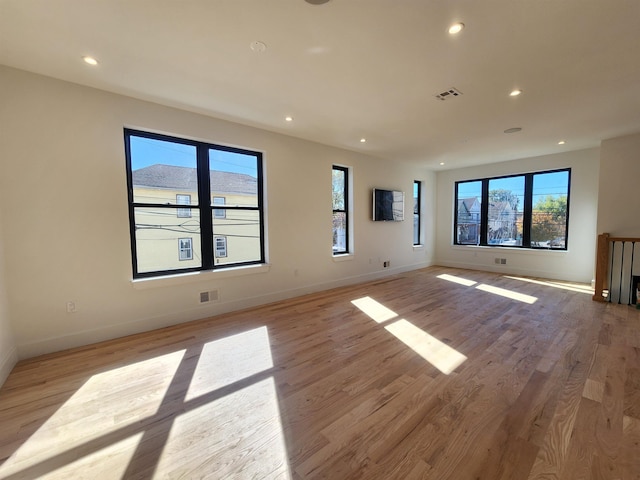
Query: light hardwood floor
[438, 373]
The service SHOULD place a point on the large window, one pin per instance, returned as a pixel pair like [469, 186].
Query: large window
[340, 183]
[529, 210]
[222, 187]
[417, 215]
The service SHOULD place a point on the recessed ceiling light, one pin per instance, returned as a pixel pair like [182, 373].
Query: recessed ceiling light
[441, 163]
[513, 130]
[90, 60]
[515, 93]
[561, 142]
[456, 28]
[363, 140]
[258, 46]
[288, 119]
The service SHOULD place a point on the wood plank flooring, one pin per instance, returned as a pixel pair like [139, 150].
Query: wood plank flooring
[438, 373]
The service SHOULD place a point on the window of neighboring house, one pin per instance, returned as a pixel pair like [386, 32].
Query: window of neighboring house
[221, 247]
[218, 212]
[417, 215]
[529, 210]
[164, 173]
[185, 249]
[340, 186]
[183, 200]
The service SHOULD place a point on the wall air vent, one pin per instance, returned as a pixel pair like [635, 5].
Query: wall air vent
[206, 297]
[451, 93]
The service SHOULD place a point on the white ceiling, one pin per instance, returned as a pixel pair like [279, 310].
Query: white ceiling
[358, 68]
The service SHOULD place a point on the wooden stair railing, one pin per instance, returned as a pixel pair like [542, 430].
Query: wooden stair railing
[605, 261]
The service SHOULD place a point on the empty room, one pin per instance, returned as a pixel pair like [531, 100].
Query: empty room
[303, 239]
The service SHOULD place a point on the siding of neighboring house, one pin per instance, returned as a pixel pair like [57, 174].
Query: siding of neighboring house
[161, 233]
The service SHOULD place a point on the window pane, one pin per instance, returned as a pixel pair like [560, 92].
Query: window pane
[235, 177]
[469, 195]
[506, 202]
[242, 231]
[161, 170]
[338, 182]
[549, 215]
[158, 235]
[339, 232]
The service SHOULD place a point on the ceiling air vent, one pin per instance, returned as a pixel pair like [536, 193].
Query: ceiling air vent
[451, 93]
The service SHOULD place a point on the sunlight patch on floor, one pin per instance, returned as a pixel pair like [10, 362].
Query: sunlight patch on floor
[108, 463]
[131, 393]
[439, 354]
[231, 359]
[244, 426]
[503, 292]
[459, 280]
[555, 284]
[374, 309]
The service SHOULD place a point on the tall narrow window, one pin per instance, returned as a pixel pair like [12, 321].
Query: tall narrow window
[340, 183]
[222, 187]
[468, 203]
[550, 213]
[417, 214]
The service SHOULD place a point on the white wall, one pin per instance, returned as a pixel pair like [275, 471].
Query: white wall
[8, 351]
[619, 202]
[575, 264]
[63, 176]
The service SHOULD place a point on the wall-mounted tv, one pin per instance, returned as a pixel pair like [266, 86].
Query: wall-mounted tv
[388, 205]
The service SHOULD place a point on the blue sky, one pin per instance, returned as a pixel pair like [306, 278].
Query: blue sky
[148, 151]
[554, 183]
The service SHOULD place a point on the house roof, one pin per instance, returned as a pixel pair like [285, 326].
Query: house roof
[184, 178]
[467, 203]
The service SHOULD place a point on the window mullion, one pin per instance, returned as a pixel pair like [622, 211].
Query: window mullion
[204, 205]
[528, 208]
[484, 212]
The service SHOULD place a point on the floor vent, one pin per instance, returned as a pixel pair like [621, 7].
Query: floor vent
[451, 93]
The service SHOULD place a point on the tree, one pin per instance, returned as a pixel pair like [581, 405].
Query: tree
[549, 219]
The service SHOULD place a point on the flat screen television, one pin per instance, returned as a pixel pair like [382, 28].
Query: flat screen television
[388, 205]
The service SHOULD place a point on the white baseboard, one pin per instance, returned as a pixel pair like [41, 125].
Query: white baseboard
[87, 337]
[7, 362]
[551, 275]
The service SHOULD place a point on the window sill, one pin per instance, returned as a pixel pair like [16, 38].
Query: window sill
[525, 251]
[193, 277]
[420, 246]
[343, 257]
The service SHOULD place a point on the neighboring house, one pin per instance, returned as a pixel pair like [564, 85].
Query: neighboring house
[503, 223]
[468, 221]
[175, 233]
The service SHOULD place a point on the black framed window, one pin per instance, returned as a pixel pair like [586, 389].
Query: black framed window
[165, 173]
[340, 187]
[417, 213]
[529, 210]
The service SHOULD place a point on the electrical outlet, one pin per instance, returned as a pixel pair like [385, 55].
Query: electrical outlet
[71, 307]
[503, 261]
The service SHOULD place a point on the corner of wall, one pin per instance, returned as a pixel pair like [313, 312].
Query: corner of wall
[7, 362]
